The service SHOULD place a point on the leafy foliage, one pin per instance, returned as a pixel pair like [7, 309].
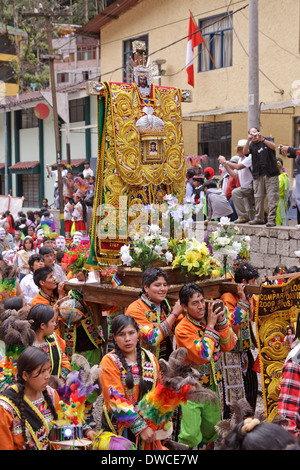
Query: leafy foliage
[30, 69]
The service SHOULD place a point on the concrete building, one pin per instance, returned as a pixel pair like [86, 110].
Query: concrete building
[31, 139]
[80, 59]
[11, 44]
[218, 115]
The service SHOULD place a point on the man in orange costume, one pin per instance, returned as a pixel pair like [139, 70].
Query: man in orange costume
[205, 333]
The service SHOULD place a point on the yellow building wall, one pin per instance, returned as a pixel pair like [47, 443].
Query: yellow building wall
[11, 89]
[167, 22]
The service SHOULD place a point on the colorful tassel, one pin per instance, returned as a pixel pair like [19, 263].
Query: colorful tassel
[159, 405]
[109, 441]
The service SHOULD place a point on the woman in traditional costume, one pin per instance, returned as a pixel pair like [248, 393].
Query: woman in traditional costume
[28, 408]
[127, 374]
[153, 314]
[23, 257]
[68, 211]
[79, 212]
[44, 320]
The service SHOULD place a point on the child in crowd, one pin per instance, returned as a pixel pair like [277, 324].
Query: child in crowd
[44, 320]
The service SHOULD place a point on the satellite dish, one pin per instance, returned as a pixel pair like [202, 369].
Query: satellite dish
[41, 111]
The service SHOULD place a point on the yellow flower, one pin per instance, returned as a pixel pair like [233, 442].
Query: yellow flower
[173, 243]
[206, 267]
[204, 250]
[195, 245]
[176, 261]
[190, 260]
[215, 273]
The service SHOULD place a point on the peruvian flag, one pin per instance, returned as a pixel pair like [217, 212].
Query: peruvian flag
[194, 39]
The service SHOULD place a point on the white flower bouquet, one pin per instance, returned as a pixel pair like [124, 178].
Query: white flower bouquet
[148, 248]
[225, 244]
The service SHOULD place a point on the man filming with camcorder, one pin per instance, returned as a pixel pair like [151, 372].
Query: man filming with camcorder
[265, 176]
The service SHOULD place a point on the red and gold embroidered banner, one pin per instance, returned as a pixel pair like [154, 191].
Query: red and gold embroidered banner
[277, 308]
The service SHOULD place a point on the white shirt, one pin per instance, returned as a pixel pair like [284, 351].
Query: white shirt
[22, 259]
[68, 209]
[245, 174]
[87, 172]
[55, 174]
[29, 288]
[58, 273]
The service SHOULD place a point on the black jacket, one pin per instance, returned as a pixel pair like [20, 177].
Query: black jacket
[292, 154]
[263, 160]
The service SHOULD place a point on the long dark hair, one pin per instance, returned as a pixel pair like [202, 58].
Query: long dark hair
[31, 242]
[265, 436]
[38, 314]
[118, 324]
[29, 360]
[9, 214]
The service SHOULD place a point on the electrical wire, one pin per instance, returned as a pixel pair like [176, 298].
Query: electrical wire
[167, 46]
[159, 27]
[247, 54]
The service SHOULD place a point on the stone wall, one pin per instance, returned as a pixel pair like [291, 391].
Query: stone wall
[268, 246]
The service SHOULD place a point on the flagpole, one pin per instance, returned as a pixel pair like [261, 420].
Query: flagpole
[204, 42]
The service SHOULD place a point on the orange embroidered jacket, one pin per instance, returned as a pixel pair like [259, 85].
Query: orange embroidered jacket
[204, 346]
[154, 330]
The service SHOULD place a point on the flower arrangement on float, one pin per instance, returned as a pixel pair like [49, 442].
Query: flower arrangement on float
[175, 218]
[152, 245]
[193, 257]
[146, 248]
[226, 246]
[74, 260]
[190, 259]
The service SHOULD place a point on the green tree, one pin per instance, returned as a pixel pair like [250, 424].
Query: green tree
[31, 69]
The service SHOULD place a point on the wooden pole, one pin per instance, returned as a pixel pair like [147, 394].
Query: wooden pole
[204, 42]
[47, 16]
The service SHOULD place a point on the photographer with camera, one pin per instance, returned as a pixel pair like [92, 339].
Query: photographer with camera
[265, 176]
[293, 152]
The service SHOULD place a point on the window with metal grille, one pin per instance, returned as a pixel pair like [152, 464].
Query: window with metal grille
[86, 52]
[31, 190]
[217, 33]
[28, 119]
[77, 110]
[128, 52]
[214, 139]
[62, 77]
